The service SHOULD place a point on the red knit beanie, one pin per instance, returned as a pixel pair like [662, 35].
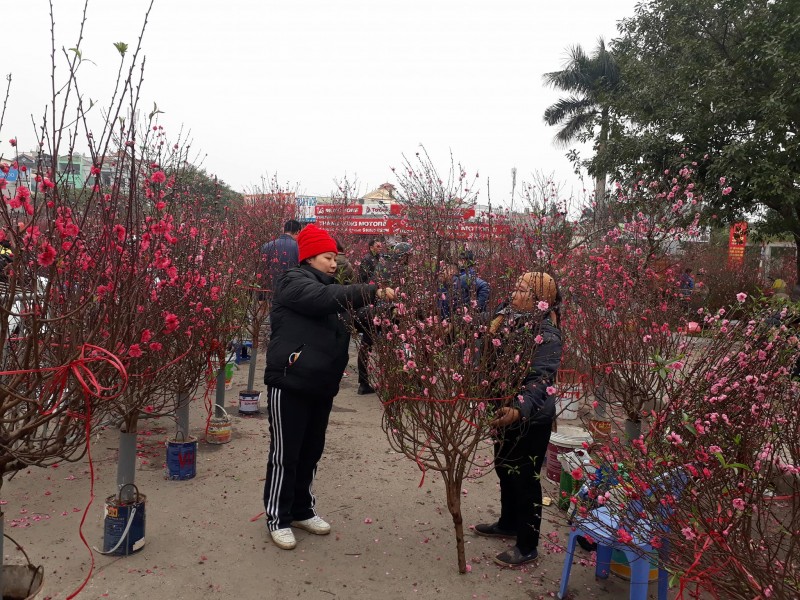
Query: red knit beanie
[312, 241]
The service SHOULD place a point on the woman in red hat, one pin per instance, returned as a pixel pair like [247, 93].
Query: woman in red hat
[306, 356]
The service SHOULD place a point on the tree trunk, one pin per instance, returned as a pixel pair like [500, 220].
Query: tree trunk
[219, 400]
[796, 259]
[182, 415]
[255, 334]
[126, 461]
[633, 429]
[600, 178]
[454, 506]
[2, 549]
[251, 369]
[600, 197]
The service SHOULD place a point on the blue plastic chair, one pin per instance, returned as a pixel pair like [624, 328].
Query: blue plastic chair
[599, 525]
[240, 353]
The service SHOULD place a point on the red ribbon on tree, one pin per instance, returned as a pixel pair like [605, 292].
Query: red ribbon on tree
[80, 370]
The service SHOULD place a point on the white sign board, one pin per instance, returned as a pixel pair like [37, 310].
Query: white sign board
[306, 206]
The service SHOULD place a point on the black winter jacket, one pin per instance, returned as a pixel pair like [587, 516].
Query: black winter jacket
[308, 348]
[369, 265]
[536, 406]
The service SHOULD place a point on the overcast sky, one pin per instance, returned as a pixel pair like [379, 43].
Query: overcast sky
[316, 89]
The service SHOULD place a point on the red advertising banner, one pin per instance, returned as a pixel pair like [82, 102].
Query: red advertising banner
[468, 231]
[338, 209]
[737, 241]
[360, 226]
[393, 219]
[459, 231]
[375, 209]
[455, 213]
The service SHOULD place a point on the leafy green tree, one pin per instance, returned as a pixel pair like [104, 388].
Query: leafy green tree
[586, 113]
[215, 193]
[714, 82]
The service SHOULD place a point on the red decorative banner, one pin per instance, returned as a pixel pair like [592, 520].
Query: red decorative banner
[338, 209]
[737, 241]
[360, 226]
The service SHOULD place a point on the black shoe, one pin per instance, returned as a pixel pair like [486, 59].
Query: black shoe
[365, 388]
[515, 558]
[493, 530]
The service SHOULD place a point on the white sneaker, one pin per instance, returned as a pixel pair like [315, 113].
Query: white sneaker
[315, 525]
[284, 538]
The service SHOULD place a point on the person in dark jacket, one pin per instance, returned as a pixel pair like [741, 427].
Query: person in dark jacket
[471, 285]
[306, 356]
[394, 271]
[6, 258]
[459, 289]
[345, 273]
[371, 262]
[524, 423]
[280, 254]
[686, 287]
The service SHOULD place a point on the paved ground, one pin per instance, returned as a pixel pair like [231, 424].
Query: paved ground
[204, 537]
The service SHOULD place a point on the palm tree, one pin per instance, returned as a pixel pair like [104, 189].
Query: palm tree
[588, 80]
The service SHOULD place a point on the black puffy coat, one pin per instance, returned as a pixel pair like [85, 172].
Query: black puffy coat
[305, 323]
[537, 406]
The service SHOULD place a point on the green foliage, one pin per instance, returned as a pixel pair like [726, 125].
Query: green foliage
[154, 112]
[714, 82]
[215, 193]
[589, 80]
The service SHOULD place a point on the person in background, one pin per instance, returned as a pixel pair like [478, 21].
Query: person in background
[280, 254]
[371, 267]
[393, 270]
[780, 292]
[6, 258]
[524, 421]
[459, 288]
[345, 273]
[370, 263]
[398, 262]
[472, 285]
[686, 286]
[306, 356]
[449, 296]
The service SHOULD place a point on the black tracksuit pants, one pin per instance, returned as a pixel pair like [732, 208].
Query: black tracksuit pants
[519, 457]
[297, 427]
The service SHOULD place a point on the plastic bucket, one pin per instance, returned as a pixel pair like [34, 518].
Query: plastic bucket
[229, 367]
[566, 439]
[181, 458]
[248, 402]
[22, 582]
[566, 407]
[219, 429]
[569, 390]
[123, 529]
[577, 459]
